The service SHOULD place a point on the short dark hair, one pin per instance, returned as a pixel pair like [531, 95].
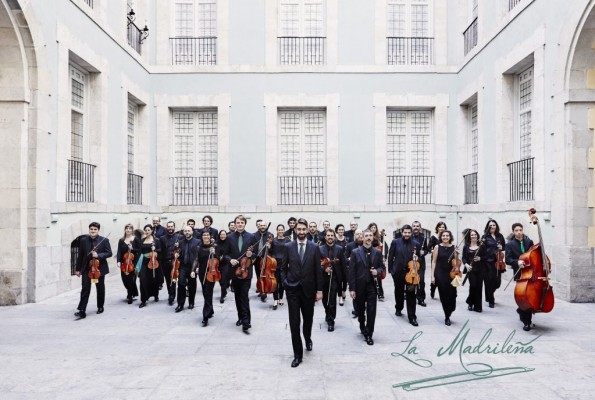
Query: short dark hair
[191, 220]
[516, 224]
[449, 235]
[281, 225]
[95, 225]
[331, 231]
[302, 221]
[291, 219]
[208, 217]
[438, 225]
[171, 222]
[406, 226]
[148, 226]
[239, 217]
[338, 226]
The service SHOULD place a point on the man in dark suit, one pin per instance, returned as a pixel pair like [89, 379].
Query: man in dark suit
[186, 279]
[207, 222]
[313, 234]
[333, 275]
[419, 237]
[301, 275]
[92, 246]
[239, 242]
[515, 247]
[158, 229]
[365, 264]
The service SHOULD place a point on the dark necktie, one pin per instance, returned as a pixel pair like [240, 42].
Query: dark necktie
[522, 246]
[240, 242]
[301, 252]
[187, 252]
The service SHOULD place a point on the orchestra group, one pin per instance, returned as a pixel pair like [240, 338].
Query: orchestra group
[305, 265]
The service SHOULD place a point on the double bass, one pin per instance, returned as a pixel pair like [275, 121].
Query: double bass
[533, 290]
[267, 283]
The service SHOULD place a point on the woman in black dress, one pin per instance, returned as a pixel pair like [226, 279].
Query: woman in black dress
[476, 270]
[493, 243]
[342, 241]
[379, 243]
[150, 279]
[433, 242]
[277, 253]
[441, 256]
[223, 248]
[129, 242]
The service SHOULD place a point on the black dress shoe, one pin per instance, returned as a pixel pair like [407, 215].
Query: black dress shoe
[246, 327]
[309, 345]
[354, 314]
[413, 322]
[129, 300]
[170, 302]
[179, 308]
[477, 310]
[80, 314]
[100, 310]
[527, 327]
[222, 300]
[296, 361]
[156, 298]
[422, 303]
[369, 340]
[190, 306]
[274, 307]
[398, 313]
[491, 305]
[470, 307]
[447, 321]
[205, 322]
[331, 328]
[142, 304]
[238, 323]
[381, 298]
[263, 298]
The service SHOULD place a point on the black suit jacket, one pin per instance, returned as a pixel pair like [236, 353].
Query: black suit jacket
[339, 267]
[104, 251]
[359, 269]
[513, 252]
[306, 274]
[235, 252]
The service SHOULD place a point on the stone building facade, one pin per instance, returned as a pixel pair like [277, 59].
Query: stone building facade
[384, 110]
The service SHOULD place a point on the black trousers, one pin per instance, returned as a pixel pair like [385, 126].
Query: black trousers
[421, 288]
[492, 281]
[171, 286]
[365, 306]
[329, 298]
[241, 288]
[476, 279]
[298, 302]
[150, 279]
[448, 295]
[380, 289]
[86, 291]
[278, 294]
[224, 281]
[207, 294]
[185, 280]
[129, 282]
[404, 293]
[525, 316]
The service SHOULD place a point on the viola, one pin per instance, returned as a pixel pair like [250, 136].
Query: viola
[94, 272]
[127, 265]
[175, 264]
[412, 277]
[213, 274]
[267, 282]
[533, 290]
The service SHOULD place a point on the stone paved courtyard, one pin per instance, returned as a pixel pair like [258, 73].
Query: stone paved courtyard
[154, 353]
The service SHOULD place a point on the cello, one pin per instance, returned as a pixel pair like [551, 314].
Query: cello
[533, 290]
[267, 283]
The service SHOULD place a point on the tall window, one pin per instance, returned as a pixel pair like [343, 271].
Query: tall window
[525, 90]
[131, 126]
[302, 32]
[474, 137]
[409, 32]
[195, 144]
[78, 84]
[302, 161]
[195, 32]
[408, 142]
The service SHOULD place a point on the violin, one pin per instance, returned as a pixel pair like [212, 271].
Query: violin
[94, 272]
[153, 263]
[412, 277]
[456, 265]
[500, 263]
[533, 290]
[213, 274]
[175, 263]
[127, 265]
[244, 265]
[267, 283]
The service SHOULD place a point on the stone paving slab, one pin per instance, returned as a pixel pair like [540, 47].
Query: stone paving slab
[154, 353]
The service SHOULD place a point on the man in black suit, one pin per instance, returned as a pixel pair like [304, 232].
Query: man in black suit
[333, 275]
[158, 229]
[92, 246]
[515, 247]
[186, 279]
[239, 243]
[290, 233]
[350, 234]
[419, 237]
[313, 234]
[301, 275]
[365, 264]
[207, 222]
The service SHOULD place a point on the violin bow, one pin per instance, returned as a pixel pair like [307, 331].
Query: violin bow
[97, 245]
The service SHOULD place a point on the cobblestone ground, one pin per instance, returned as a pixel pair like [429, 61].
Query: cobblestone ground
[154, 353]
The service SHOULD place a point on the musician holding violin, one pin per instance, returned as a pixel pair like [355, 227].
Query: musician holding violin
[476, 270]
[365, 267]
[493, 242]
[241, 246]
[445, 258]
[206, 267]
[514, 249]
[128, 252]
[187, 278]
[403, 259]
[94, 250]
[151, 275]
[333, 273]
[170, 244]
[378, 243]
[277, 253]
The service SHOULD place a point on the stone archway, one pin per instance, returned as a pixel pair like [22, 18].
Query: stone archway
[18, 71]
